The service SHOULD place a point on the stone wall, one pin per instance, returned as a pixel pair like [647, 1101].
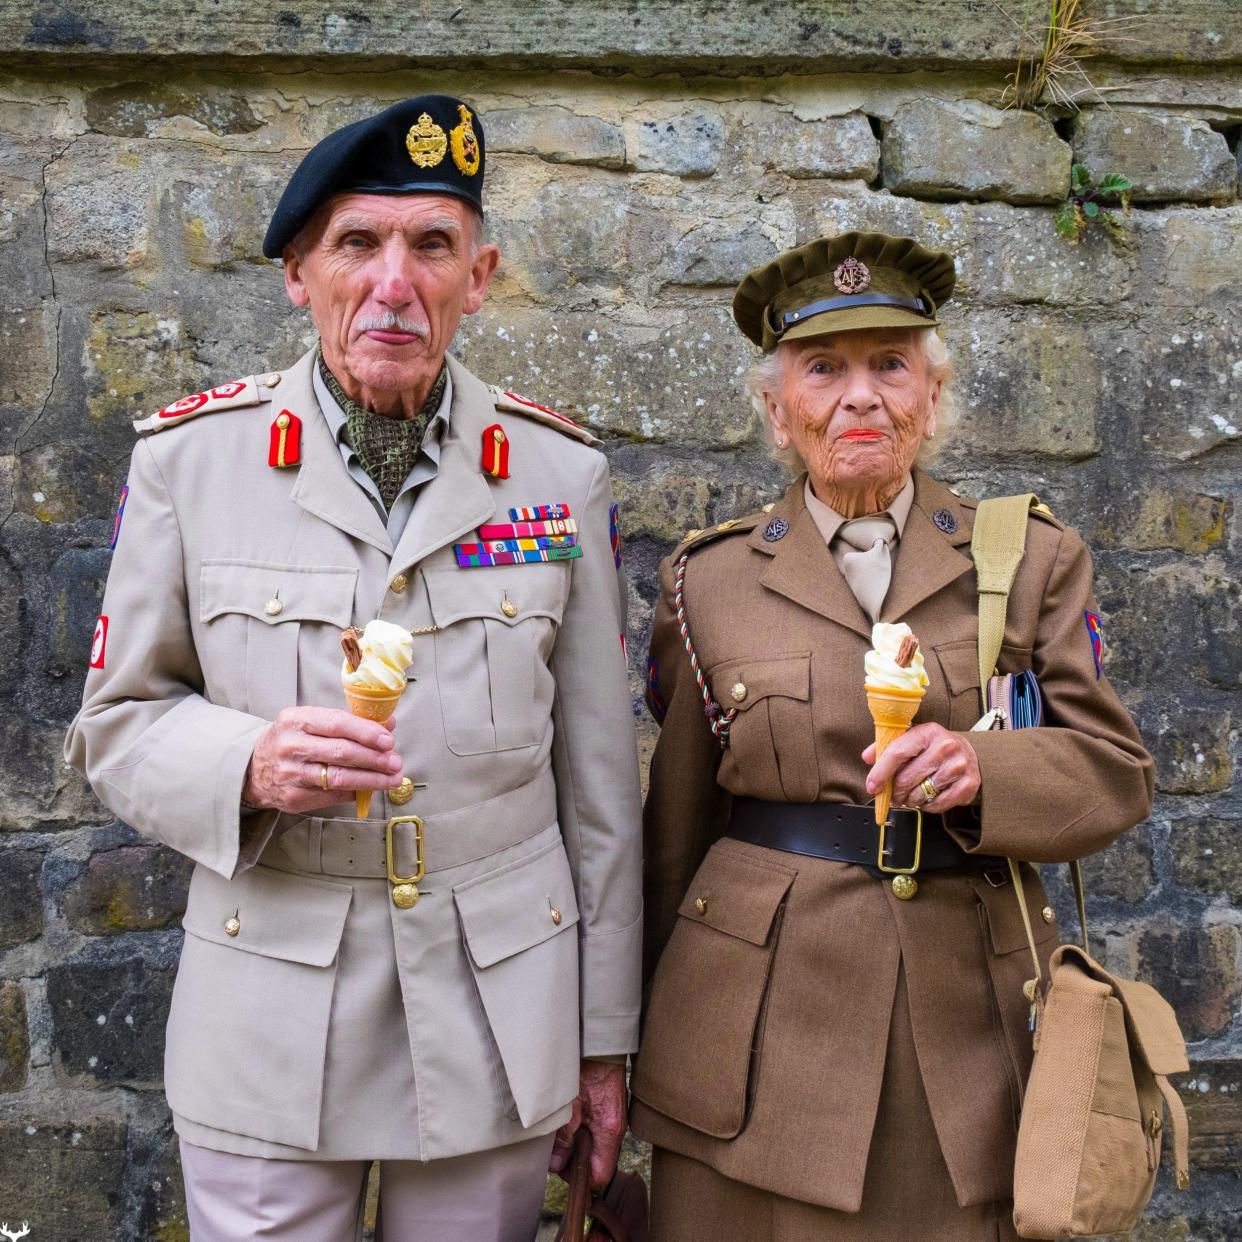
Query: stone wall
[642, 158]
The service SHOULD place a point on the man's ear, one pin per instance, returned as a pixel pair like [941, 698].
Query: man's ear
[295, 286]
[482, 269]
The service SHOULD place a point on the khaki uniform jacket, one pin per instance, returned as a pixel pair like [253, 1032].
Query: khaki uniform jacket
[523, 951]
[764, 1037]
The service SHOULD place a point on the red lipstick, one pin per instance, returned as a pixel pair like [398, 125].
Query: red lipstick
[862, 433]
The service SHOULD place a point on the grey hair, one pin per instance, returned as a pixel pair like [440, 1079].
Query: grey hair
[767, 374]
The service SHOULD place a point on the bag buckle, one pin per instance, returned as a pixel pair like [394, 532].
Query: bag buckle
[882, 853]
[404, 887]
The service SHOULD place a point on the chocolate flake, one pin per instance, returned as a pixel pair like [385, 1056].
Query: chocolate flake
[352, 648]
[907, 651]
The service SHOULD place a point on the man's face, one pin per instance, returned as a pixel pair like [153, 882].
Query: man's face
[388, 278]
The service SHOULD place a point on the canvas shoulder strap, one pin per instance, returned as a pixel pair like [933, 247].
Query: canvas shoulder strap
[997, 544]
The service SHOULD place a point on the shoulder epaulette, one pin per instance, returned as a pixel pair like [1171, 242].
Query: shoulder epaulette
[514, 403]
[1042, 511]
[240, 392]
[692, 540]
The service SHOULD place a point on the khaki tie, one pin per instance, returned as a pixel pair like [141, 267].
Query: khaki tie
[869, 568]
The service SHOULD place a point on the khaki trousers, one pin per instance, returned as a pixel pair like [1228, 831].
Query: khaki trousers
[490, 1196]
[907, 1194]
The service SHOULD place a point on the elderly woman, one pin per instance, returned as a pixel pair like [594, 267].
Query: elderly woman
[829, 1054]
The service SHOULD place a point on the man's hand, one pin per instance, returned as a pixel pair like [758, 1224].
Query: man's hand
[927, 752]
[601, 1107]
[286, 769]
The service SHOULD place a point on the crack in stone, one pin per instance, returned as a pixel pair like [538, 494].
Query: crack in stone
[29, 426]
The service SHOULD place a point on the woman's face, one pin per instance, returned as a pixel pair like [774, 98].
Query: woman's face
[856, 406]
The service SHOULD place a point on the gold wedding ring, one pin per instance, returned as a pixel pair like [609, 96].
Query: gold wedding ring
[323, 777]
[929, 789]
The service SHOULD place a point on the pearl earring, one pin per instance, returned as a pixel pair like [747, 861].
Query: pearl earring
[780, 441]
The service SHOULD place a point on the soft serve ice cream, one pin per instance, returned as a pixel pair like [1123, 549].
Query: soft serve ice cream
[895, 682]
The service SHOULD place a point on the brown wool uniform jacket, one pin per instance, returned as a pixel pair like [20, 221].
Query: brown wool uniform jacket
[797, 958]
[312, 1018]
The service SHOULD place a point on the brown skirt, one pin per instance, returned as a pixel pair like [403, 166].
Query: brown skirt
[907, 1193]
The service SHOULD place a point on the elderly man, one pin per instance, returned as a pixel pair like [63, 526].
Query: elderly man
[440, 984]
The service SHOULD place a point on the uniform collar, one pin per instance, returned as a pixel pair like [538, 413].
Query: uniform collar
[830, 521]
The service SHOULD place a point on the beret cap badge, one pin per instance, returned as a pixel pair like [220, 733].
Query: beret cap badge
[464, 144]
[851, 276]
[426, 142]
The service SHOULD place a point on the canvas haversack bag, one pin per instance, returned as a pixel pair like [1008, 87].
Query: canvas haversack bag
[1092, 1123]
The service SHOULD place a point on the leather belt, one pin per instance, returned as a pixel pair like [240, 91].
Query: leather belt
[847, 833]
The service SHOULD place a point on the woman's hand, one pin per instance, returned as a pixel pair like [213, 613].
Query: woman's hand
[927, 752]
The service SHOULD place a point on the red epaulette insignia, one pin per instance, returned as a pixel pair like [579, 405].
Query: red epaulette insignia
[496, 452]
[285, 446]
[223, 397]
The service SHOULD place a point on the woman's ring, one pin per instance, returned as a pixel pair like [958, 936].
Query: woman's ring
[929, 789]
[323, 777]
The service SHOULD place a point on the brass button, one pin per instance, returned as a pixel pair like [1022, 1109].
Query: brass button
[270, 381]
[508, 607]
[700, 904]
[403, 792]
[769, 506]
[273, 607]
[904, 887]
[232, 926]
[404, 895]
[556, 916]
[1183, 1179]
[282, 421]
[398, 584]
[1047, 914]
[738, 692]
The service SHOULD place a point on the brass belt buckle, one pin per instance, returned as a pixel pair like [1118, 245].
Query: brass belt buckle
[404, 887]
[904, 885]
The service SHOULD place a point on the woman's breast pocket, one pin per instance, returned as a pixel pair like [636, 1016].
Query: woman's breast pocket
[771, 752]
[493, 643]
[959, 667]
[259, 620]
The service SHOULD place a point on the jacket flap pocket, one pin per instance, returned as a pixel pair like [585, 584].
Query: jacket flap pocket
[271, 913]
[736, 895]
[1004, 916]
[743, 683]
[959, 661]
[509, 595]
[304, 592]
[517, 906]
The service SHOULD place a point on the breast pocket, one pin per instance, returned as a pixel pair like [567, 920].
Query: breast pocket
[249, 1020]
[959, 662]
[519, 924]
[494, 638]
[771, 740]
[257, 615]
[703, 1032]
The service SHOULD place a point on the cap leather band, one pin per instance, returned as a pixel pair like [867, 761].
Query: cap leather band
[789, 318]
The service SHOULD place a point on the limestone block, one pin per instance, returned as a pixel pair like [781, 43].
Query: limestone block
[1212, 1093]
[717, 254]
[37, 789]
[108, 1017]
[1183, 520]
[134, 109]
[838, 147]
[1207, 854]
[162, 1210]
[28, 347]
[21, 896]
[665, 502]
[1124, 870]
[1190, 745]
[135, 888]
[221, 207]
[14, 1037]
[965, 149]
[1168, 158]
[557, 135]
[1196, 969]
[1201, 256]
[1026, 386]
[64, 1178]
[686, 144]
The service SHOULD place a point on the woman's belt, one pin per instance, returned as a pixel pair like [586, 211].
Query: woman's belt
[909, 842]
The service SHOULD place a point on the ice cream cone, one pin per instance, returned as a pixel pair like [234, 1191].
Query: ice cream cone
[893, 711]
[375, 705]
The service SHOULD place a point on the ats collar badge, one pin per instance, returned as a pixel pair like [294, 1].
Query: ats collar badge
[945, 521]
[776, 529]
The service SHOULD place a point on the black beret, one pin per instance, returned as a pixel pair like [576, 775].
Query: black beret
[834, 284]
[429, 145]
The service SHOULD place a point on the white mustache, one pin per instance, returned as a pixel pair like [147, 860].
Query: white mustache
[390, 321]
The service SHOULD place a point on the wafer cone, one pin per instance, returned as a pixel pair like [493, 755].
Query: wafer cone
[375, 705]
[893, 712]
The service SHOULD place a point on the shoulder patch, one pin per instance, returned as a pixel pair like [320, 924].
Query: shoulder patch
[515, 403]
[695, 539]
[242, 392]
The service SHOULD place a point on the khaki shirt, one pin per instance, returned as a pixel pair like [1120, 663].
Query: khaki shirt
[329, 1023]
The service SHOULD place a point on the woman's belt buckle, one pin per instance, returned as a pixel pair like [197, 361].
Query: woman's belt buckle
[882, 853]
[405, 887]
